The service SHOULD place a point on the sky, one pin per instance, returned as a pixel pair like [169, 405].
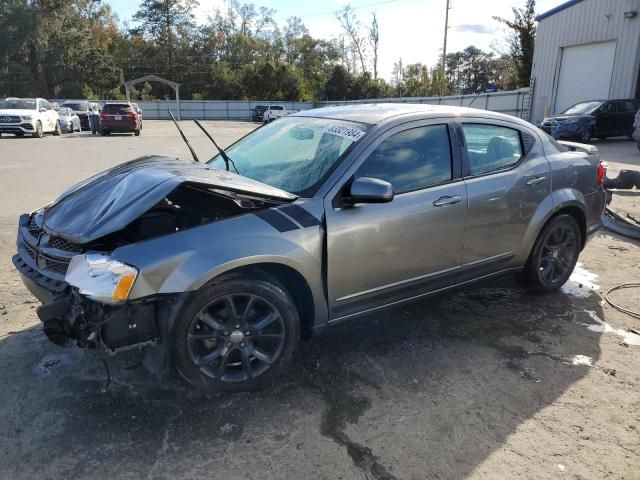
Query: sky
[412, 30]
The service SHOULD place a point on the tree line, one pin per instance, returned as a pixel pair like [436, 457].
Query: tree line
[81, 49]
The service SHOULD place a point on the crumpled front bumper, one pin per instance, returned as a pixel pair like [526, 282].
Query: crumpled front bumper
[68, 316]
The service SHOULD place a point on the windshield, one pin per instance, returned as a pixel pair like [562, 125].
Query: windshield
[294, 153]
[64, 112]
[78, 107]
[582, 108]
[18, 104]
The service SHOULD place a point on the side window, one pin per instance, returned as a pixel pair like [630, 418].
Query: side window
[491, 148]
[609, 108]
[411, 160]
[630, 106]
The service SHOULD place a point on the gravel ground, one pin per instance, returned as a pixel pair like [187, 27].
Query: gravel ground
[490, 382]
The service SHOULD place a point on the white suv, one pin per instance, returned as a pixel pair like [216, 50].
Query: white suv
[28, 116]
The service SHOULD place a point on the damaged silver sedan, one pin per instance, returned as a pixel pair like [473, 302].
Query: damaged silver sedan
[218, 269]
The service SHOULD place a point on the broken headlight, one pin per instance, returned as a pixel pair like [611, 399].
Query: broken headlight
[101, 278]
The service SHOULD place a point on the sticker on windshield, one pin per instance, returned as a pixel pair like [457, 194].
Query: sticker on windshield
[350, 133]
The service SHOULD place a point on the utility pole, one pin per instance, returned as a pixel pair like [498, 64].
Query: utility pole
[444, 46]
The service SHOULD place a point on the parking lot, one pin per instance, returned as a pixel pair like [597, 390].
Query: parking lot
[489, 382]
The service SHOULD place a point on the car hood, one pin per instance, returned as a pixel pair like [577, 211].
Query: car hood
[111, 200]
[19, 113]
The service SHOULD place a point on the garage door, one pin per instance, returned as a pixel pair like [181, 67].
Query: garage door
[585, 74]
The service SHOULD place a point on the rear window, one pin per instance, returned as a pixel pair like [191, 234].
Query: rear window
[491, 147]
[117, 108]
[277, 107]
[77, 106]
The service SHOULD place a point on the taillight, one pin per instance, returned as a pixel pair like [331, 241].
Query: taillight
[132, 114]
[601, 171]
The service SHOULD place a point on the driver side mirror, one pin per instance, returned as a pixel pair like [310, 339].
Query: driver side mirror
[370, 190]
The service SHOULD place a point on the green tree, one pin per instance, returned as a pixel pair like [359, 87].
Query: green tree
[522, 40]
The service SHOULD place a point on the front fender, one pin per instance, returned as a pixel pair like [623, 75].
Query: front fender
[184, 261]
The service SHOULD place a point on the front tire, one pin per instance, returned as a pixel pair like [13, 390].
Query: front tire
[237, 333]
[58, 130]
[39, 133]
[554, 255]
[585, 136]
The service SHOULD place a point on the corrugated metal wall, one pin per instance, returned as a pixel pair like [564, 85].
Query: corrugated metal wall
[512, 102]
[210, 109]
[586, 22]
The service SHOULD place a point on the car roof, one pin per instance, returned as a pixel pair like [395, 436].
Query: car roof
[378, 113]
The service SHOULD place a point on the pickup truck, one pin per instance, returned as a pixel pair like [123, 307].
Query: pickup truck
[275, 111]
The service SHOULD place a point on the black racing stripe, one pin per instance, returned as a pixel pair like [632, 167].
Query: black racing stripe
[300, 215]
[277, 220]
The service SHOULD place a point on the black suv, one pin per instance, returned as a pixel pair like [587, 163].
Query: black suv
[596, 118]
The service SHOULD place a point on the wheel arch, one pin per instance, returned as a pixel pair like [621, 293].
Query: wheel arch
[569, 201]
[292, 281]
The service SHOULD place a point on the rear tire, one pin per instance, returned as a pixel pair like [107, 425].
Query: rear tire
[250, 328]
[136, 132]
[554, 255]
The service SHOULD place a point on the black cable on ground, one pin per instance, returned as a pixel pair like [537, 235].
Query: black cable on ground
[618, 307]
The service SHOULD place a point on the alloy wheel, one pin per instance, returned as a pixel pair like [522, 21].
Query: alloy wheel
[557, 255]
[236, 337]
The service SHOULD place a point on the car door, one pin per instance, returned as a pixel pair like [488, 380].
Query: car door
[606, 120]
[50, 115]
[378, 254]
[628, 109]
[507, 177]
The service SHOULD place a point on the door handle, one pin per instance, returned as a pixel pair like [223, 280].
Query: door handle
[447, 200]
[536, 180]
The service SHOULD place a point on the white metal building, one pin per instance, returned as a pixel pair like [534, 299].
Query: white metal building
[585, 50]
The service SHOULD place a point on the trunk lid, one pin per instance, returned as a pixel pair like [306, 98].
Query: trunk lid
[111, 200]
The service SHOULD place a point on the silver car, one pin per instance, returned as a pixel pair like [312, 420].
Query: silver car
[69, 121]
[221, 268]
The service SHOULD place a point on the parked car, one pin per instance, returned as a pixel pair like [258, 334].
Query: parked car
[593, 119]
[82, 109]
[274, 112]
[335, 213]
[120, 117]
[139, 112]
[28, 116]
[636, 129]
[257, 113]
[69, 120]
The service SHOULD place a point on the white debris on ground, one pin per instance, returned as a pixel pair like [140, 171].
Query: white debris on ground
[581, 282]
[601, 326]
[582, 360]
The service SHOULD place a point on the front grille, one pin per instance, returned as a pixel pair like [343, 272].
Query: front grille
[59, 266]
[34, 229]
[62, 244]
[31, 252]
[9, 119]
